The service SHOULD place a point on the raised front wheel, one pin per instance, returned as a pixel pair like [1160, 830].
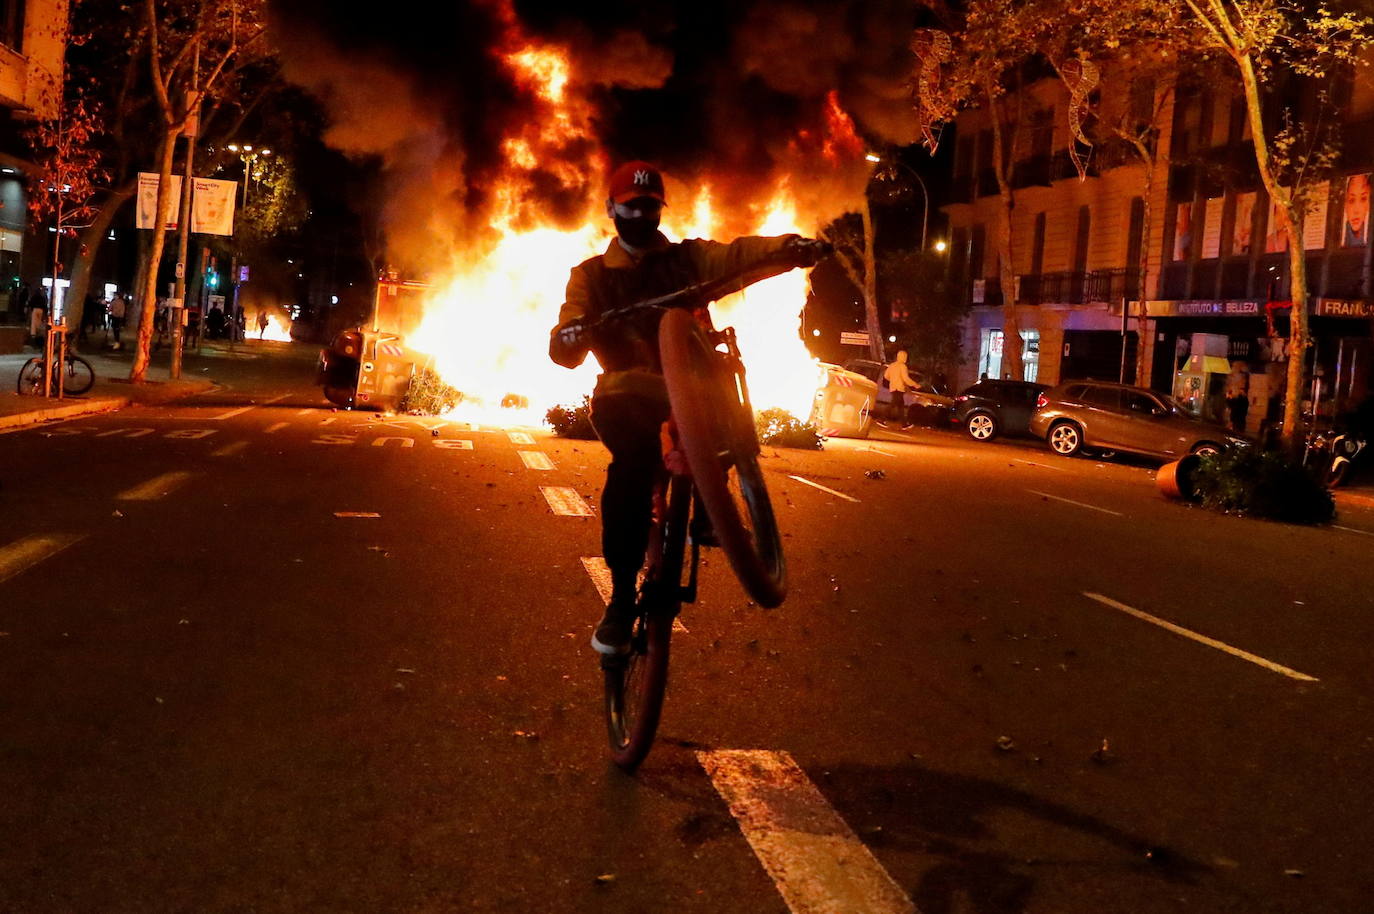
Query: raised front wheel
[718, 437]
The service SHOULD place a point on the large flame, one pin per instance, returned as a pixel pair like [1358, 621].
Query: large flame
[487, 322]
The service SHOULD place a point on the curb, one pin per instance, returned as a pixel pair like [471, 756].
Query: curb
[84, 408]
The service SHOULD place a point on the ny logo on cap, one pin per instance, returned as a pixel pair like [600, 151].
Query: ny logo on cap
[642, 177]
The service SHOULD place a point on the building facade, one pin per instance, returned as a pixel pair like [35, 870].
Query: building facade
[33, 43]
[1215, 288]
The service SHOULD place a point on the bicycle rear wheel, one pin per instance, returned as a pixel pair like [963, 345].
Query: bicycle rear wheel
[636, 683]
[31, 377]
[721, 445]
[80, 377]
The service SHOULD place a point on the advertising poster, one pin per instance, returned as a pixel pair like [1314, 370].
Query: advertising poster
[212, 206]
[1355, 212]
[1276, 241]
[1183, 231]
[147, 201]
[1314, 228]
[1245, 223]
[1211, 228]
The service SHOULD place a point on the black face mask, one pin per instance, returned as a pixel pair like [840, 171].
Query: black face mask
[637, 233]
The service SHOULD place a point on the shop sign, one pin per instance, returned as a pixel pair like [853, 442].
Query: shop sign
[1345, 307]
[1252, 308]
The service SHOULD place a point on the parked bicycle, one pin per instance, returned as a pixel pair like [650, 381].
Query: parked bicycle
[70, 374]
[712, 482]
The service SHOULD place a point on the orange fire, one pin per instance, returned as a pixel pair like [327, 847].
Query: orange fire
[487, 323]
[278, 328]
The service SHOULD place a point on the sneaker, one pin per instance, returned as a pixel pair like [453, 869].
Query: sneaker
[882, 423]
[612, 635]
[909, 425]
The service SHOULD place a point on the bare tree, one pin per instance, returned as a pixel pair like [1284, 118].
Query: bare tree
[191, 46]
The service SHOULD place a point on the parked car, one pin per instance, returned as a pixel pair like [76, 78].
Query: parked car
[928, 401]
[994, 407]
[1118, 417]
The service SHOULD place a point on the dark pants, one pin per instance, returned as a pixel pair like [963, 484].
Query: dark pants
[1239, 407]
[629, 426]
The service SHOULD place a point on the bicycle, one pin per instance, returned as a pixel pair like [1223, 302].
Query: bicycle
[711, 465]
[75, 376]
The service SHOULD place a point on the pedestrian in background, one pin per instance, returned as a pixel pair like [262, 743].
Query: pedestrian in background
[262, 325]
[1238, 394]
[117, 311]
[38, 317]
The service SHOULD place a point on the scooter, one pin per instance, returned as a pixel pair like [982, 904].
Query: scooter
[1337, 449]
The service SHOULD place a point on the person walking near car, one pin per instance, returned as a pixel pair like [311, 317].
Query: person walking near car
[1238, 394]
[899, 381]
[38, 316]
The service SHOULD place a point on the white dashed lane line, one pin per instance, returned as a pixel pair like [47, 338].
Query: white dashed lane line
[536, 460]
[1352, 530]
[276, 427]
[29, 551]
[601, 578]
[520, 437]
[1070, 501]
[1200, 639]
[565, 501]
[243, 409]
[156, 487]
[817, 485]
[817, 863]
[1043, 466]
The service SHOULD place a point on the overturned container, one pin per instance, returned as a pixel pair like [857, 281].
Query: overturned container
[843, 407]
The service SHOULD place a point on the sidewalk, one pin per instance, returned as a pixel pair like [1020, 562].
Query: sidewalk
[112, 388]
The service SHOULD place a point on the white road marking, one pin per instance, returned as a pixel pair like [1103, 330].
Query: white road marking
[29, 551]
[453, 444]
[191, 434]
[126, 432]
[601, 577]
[817, 485]
[334, 439]
[230, 449]
[1351, 530]
[536, 460]
[1043, 466]
[1070, 501]
[156, 487]
[817, 863]
[243, 409]
[520, 437]
[877, 450]
[1201, 639]
[356, 514]
[304, 412]
[276, 427]
[565, 501]
[326, 421]
[381, 442]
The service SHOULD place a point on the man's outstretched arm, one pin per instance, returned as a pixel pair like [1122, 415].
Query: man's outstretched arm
[761, 256]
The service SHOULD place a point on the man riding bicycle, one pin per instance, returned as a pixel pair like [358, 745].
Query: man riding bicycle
[630, 402]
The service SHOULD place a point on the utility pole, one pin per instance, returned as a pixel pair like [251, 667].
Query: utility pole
[178, 309]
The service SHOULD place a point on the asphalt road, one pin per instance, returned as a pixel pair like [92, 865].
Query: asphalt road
[220, 692]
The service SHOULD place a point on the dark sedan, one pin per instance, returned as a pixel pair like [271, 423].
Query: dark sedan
[995, 407]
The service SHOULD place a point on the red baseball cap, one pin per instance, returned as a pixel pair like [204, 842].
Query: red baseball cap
[634, 180]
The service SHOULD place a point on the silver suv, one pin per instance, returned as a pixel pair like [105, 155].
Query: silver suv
[1117, 417]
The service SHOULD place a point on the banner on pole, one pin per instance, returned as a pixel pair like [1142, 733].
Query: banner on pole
[212, 204]
[147, 201]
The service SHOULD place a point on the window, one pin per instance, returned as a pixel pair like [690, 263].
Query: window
[12, 23]
[1140, 403]
[990, 354]
[1106, 397]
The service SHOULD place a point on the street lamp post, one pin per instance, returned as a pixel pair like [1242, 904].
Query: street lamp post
[249, 157]
[925, 194]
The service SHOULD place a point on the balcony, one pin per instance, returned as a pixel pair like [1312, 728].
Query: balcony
[1078, 288]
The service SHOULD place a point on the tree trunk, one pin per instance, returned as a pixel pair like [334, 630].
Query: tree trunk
[1142, 372]
[1012, 366]
[148, 301]
[870, 288]
[1289, 213]
[88, 247]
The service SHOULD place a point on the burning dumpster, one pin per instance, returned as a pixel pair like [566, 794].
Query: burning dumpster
[844, 403]
[366, 368]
